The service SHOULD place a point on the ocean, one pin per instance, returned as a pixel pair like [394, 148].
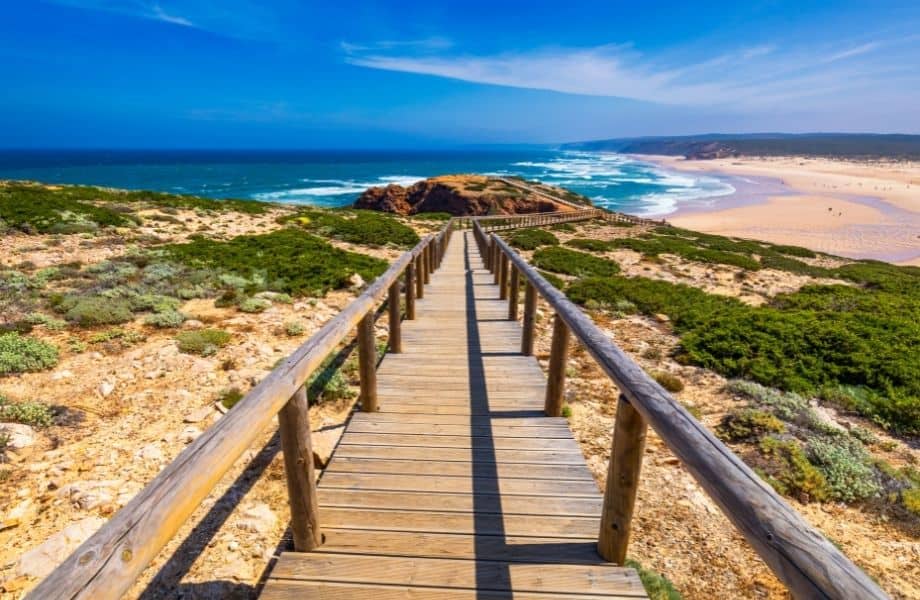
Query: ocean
[336, 178]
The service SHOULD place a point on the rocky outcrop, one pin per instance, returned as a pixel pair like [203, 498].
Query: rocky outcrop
[459, 195]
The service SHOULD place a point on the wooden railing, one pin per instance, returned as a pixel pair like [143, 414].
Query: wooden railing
[807, 563]
[111, 560]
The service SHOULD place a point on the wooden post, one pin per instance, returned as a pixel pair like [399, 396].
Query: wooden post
[367, 363]
[294, 426]
[622, 482]
[419, 277]
[395, 315]
[555, 379]
[410, 291]
[496, 262]
[530, 313]
[503, 278]
[426, 263]
[514, 294]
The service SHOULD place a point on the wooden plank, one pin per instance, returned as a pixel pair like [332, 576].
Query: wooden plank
[425, 417]
[458, 574]
[544, 432]
[458, 545]
[443, 502]
[283, 589]
[556, 457]
[465, 485]
[456, 441]
[457, 469]
[484, 523]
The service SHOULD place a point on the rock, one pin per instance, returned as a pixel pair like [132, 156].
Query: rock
[61, 375]
[257, 518]
[87, 495]
[189, 434]
[192, 324]
[20, 435]
[233, 546]
[152, 374]
[324, 442]
[355, 282]
[458, 195]
[661, 318]
[199, 415]
[106, 388]
[150, 452]
[40, 561]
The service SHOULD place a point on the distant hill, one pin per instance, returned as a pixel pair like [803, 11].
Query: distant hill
[833, 145]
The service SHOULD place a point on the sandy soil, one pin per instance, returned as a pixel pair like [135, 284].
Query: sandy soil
[853, 209]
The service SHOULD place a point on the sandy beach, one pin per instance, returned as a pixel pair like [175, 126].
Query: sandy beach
[853, 209]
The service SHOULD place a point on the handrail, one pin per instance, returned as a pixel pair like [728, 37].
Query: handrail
[806, 562]
[109, 562]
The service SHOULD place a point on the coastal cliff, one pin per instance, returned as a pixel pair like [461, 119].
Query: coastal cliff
[469, 195]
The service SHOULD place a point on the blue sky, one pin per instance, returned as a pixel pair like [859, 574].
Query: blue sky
[311, 74]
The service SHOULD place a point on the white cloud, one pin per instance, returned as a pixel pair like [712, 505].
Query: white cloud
[760, 75]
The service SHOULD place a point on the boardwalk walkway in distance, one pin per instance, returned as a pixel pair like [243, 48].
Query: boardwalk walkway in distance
[459, 487]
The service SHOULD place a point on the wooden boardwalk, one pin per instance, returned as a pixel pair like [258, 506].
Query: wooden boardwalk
[459, 487]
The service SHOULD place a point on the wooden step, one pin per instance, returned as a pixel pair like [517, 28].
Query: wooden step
[319, 574]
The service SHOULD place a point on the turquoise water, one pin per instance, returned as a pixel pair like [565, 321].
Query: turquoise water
[336, 178]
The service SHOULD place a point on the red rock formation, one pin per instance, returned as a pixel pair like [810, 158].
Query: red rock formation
[450, 194]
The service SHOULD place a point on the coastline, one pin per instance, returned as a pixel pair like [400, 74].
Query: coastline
[857, 210]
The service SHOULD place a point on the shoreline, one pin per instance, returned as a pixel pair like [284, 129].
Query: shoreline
[821, 204]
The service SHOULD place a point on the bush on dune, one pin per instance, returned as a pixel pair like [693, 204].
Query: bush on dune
[818, 338]
[20, 354]
[572, 262]
[288, 260]
[531, 239]
[365, 227]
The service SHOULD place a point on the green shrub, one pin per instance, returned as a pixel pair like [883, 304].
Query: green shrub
[254, 305]
[657, 586]
[287, 260]
[329, 383]
[748, 424]
[668, 381]
[819, 337]
[294, 328]
[591, 245]
[366, 227]
[846, 466]
[531, 239]
[37, 209]
[20, 354]
[203, 341]
[567, 227]
[166, 319]
[554, 280]
[911, 500]
[793, 251]
[35, 414]
[432, 216]
[88, 311]
[790, 472]
[230, 398]
[566, 411]
[46, 320]
[571, 262]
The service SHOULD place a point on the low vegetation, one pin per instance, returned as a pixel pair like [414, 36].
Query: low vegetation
[572, 262]
[288, 260]
[35, 208]
[20, 354]
[657, 586]
[859, 346]
[204, 342]
[365, 227]
[531, 239]
[31, 413]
